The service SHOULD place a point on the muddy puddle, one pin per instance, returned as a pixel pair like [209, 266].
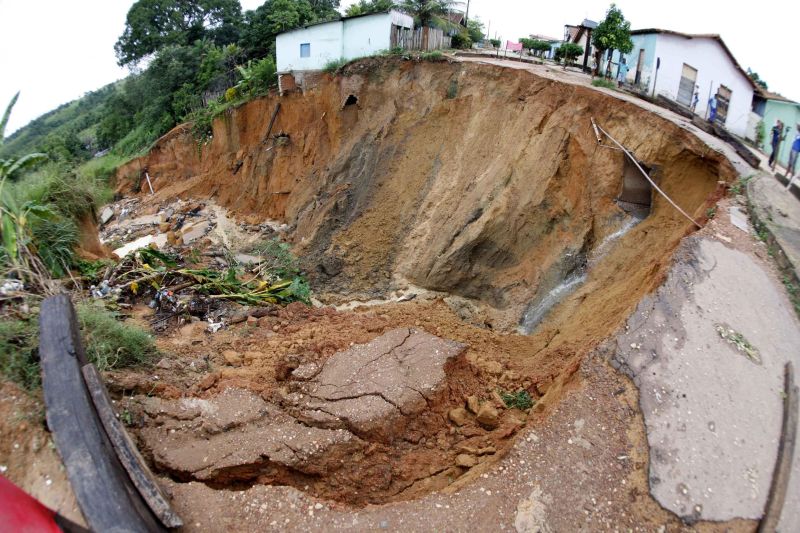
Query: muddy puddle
[458, 282]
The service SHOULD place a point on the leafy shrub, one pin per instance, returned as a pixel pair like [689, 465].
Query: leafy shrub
[568, 52]
[461, 40]
[495, 42]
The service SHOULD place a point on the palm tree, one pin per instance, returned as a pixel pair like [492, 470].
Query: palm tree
[428, 12]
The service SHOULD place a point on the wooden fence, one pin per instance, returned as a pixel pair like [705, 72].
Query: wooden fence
[419, 39]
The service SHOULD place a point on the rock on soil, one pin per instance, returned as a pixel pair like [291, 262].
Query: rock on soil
[237, 435]
[370, 389]
[367, 392]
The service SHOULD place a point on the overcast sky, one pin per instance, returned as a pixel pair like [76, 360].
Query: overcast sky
[56, 50]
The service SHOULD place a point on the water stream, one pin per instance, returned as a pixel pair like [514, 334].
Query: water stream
[538, 310]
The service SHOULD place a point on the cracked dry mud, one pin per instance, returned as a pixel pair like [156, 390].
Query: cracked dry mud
[332, 424]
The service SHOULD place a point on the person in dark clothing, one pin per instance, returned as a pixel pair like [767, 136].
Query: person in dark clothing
[775, 141]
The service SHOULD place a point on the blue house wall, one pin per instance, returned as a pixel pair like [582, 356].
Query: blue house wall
[646, 42]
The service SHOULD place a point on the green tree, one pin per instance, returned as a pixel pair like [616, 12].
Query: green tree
[568, 52]
[365, 7]
[757, 79]
[475, 29]
[613, 33]
[273, 17]
[527, 43]
[154, 24]
[541, 47]
[428, 12]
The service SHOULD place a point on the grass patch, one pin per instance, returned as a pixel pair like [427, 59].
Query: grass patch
[794, 293]
[41, 214]
[604, 83]
[332, 66]
[517, 400]
[101, 169]
[434, 56]
[740, 185]
[111, 343]
[19, 352]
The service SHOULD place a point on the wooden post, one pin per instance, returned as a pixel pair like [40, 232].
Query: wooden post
[104, 491]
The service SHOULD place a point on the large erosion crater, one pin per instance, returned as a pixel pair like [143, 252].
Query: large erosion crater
[482, 186]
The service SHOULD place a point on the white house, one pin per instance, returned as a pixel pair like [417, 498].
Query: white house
[676, 65]
[312, 47]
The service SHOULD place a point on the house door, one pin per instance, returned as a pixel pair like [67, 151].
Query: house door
[686, 87]
[639, 65]
[723, 102]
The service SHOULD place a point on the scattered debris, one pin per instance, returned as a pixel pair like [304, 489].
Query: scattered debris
[737, 339]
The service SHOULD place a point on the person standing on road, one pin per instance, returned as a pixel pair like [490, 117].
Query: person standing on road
[696, 98]
[712, 108]
[793, 157]
[622, 72]
[775, 141]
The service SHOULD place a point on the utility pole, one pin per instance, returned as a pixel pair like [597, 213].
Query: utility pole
[466, 15]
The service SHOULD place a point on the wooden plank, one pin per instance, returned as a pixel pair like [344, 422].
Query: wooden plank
[106, 496]
[127, 452]
[783, 464]
[272, 120]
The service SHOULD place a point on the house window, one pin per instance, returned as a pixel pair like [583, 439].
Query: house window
[305, 50]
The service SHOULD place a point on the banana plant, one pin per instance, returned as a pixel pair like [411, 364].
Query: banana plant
[8, 167]
[15, 220]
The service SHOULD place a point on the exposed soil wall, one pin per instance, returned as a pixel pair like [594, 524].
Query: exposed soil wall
[482, 182]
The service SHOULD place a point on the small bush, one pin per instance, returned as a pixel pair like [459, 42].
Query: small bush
[600, 82]
[461, 40]
[519, 400]
[278, 259]
[111, 343]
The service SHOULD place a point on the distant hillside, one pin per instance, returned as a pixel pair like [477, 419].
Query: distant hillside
[69, 132]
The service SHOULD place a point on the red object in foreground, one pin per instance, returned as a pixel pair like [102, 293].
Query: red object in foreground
[21, 513]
